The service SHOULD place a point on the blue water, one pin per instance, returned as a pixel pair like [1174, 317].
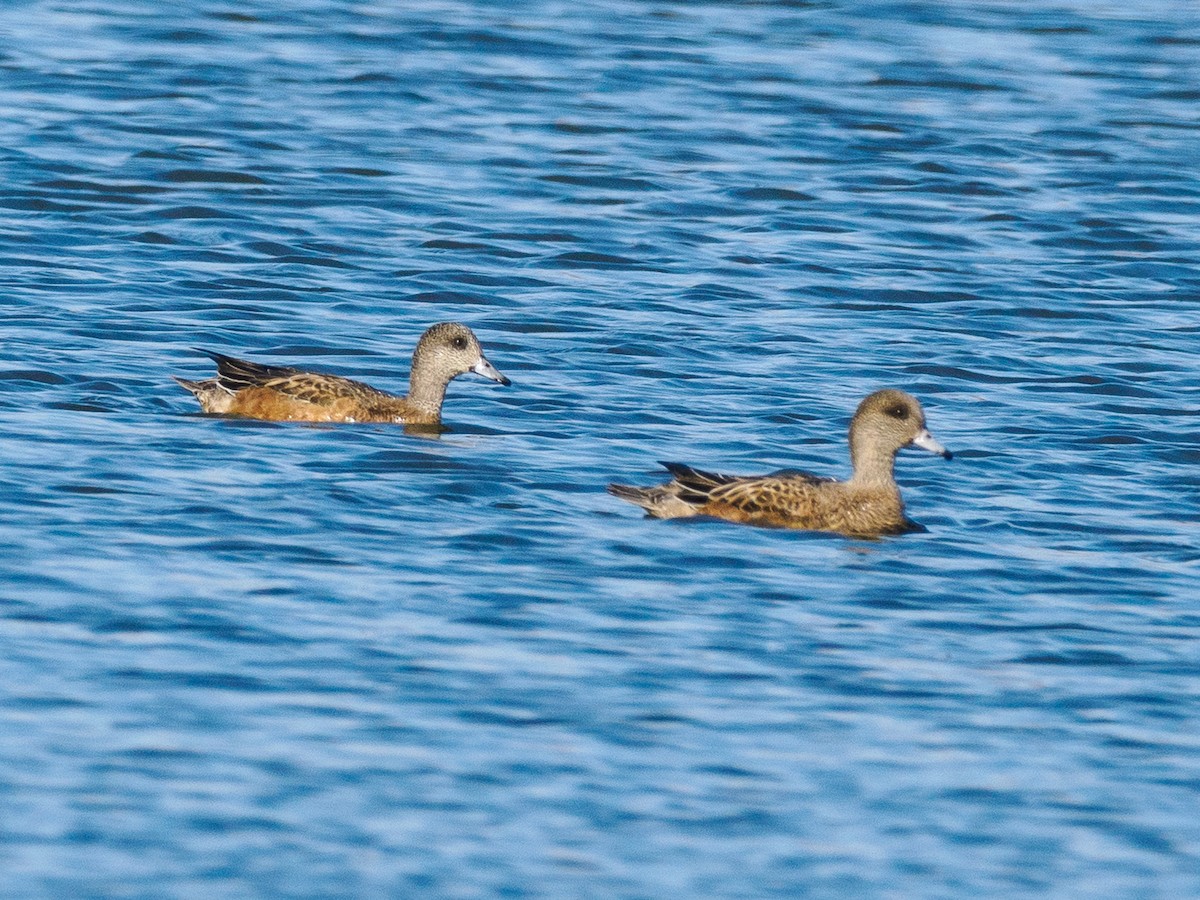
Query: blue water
[243, 659]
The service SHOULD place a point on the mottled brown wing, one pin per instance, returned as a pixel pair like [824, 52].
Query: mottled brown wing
[774, 495]
[325, 389]
[769, 496]
[311, 387]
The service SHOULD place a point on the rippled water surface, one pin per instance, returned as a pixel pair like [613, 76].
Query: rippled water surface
[249, 659]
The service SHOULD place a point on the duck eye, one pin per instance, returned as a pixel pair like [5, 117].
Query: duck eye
[460, 343]
[897, 412]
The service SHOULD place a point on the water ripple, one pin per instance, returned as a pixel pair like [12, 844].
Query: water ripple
[419, 666]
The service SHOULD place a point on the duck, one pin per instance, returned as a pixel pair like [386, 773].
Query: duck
[867, 505]
[285, 394]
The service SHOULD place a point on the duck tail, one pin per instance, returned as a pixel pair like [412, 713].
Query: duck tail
[212, 396]
[196, 388]
[661, 501]
[643, 497]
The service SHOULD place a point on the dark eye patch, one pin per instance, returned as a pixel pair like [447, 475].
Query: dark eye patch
[897, 411]
[460, 343]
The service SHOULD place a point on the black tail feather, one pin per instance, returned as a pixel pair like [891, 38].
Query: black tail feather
[235, 374]
[695, 485]
[696, 478]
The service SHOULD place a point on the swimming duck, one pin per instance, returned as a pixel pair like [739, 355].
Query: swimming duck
[281, 393]
[867, 505]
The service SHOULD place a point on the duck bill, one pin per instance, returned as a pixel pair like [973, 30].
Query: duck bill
[487, 370]
[926, 441]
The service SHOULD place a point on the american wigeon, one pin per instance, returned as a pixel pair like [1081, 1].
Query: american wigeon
[281, 393]
[868, 505]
